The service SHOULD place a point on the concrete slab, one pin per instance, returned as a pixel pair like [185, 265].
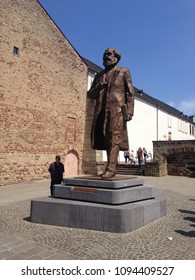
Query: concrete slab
[94, 216]
[153, 209]
[100, 195]
[119, 181]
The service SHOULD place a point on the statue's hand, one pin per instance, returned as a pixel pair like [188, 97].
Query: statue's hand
[102, 85]
[129, 117]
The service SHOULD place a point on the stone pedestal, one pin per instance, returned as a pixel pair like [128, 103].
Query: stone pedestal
[121, 204]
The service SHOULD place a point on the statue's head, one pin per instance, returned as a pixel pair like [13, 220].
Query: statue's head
[111, 57]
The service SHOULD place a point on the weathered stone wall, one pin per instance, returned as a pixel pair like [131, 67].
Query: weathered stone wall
[155, 169]
[177, 169]
[171, 157]
[42, 93]
[181, 150]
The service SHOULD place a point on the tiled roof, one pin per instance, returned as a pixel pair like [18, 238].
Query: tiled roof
[92, 66]
[147, 98]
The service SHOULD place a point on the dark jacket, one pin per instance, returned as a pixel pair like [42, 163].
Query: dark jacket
[56, 171]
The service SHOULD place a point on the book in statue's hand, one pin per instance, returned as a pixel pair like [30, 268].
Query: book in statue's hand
[126, 116]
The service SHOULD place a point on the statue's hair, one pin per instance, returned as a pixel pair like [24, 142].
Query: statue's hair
[116, 53]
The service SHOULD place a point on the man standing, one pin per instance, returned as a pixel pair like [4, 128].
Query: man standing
[113, 91]
[140, 156]
[56, 169]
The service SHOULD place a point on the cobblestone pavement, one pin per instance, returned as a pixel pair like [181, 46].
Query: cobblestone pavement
[169, 238]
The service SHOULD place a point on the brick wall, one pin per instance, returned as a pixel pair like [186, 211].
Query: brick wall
[42, 93]
[182, 151]
[171, 157]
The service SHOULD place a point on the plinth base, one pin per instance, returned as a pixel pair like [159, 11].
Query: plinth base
[116, 206]
[93, 216]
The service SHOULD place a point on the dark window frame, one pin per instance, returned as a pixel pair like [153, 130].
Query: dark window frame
[15, 50]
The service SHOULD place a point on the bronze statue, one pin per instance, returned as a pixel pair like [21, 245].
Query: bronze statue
[113, 91]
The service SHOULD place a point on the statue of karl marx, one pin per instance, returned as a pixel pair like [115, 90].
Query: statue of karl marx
[113, 92]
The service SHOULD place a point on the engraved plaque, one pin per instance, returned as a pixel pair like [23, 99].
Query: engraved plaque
[80, 189]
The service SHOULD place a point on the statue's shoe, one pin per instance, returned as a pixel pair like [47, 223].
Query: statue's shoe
[108, 174]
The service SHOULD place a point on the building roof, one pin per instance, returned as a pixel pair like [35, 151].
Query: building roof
[92, 66]
[140, 94]
[161, 105]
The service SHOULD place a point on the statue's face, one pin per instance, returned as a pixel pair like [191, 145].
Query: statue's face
[109, 58]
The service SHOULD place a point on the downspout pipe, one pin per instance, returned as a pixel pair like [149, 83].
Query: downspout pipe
[157, 117]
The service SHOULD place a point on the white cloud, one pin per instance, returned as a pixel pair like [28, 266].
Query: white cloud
[187, 106]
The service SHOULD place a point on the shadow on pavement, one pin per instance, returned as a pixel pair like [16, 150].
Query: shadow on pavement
[186, 233]
[27, 219]
[189, 218]
[186, 211]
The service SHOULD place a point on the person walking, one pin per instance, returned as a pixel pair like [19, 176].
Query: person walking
[132, 158]
[140, 156]
[145, 154]
[56, 170]
[126, 156]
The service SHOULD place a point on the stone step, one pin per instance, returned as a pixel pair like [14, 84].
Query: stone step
[130, 170]
[120, 204]
[104, 195]
[117, 182]
[93, 216]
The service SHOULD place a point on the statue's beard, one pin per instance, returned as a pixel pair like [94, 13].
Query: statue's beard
[109, 62]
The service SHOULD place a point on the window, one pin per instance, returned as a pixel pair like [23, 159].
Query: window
[169, 121]
[179, 125]
[191, 129]
[169, 136]
[186, 127]
[15, 50]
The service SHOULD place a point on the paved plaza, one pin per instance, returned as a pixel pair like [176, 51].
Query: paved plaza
[169, 238]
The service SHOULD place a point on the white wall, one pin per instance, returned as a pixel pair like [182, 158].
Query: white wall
[142, 127]
[151, 124]
[170, 125]
[91, 76]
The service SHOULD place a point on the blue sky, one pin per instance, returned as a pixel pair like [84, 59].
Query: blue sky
[156, 39]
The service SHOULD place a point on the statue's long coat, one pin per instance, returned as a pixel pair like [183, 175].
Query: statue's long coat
[109, 126]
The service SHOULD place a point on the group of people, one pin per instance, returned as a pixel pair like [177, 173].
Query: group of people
[130, 157]
[141, 156]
